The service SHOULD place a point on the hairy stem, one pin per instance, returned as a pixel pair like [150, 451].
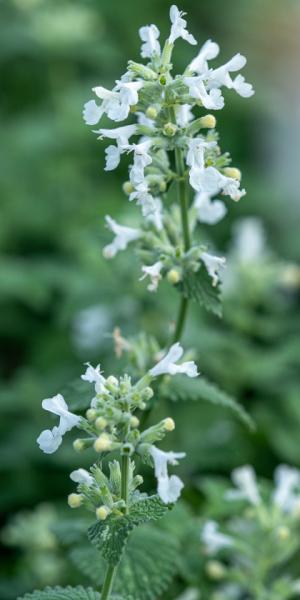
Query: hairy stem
[111, 570]
[125, 481]
[108, 582]
[181, 318]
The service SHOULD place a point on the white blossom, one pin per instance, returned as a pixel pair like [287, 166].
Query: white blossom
[50, 440]
[183, 114]
[123, 236]
[152, 271]
[221, 76]
[168, 488]
[116, 103]
[92, 113]
[168, 364]
[210, 180]
[149, 36]
[93, 375]
[245, 480]
[120, 134]
[287, 488]
[213, 539]
[208, 51]
[213, 265]
[178, 28]
[207, 211]
[196, 151]
[249, 240]
[152, 210]
[82, 476]
[212, 100]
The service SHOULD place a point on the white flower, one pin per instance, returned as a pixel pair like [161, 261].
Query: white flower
[210, 180]
[213, 265]
[249, 240]
[123, 236]
[153, 271]
[149, 36]
[287, 480]
[93, 375]
[167, 364]
[208, 211]
[120, 134]
[92, 113]
[50, 440]
[196, 151]
[245, 479]
[213, 539]
[82, 476]
[152, 210]
[168, 488]
[117, 103]
[212, 100]
[221, 76]
[178, 28]
[183, 114]
[113, 156]
[208, 51]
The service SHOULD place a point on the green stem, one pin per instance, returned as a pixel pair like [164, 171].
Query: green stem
[125, 481]
[181, 318]
[108, 582]
[111, 570]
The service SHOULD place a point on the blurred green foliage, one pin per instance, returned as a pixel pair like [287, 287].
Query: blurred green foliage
[60, 300]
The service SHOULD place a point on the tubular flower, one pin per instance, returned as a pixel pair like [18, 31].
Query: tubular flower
[168, 364]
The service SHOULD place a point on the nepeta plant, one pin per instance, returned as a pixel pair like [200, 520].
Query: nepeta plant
[175, 142]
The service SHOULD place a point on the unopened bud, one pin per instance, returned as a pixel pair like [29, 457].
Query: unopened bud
[101, 423]
[170, 129]
[233, 173]
[134, 421]
[75, 500]
[208, 122]
[163, 80]
[79, 445]
[102, 443]
[91, 414]
[173, 276]
[112, 384]
[215, 570]
[147, 393]
[283, 533]
[151, 112]
[102, 512]
[169, 424]
[162, 186]
[127, 188]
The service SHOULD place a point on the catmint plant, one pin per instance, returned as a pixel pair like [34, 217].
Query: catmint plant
[163, 124]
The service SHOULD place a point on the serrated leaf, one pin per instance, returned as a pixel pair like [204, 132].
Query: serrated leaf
[59, 593]
[140, 575]
[110, 536]
[183, 388]
[198, 287]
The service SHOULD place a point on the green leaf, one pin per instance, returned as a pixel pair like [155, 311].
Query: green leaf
[110, 536]
[140, 574]
[198, 287]
[183, 389]
[59, 593]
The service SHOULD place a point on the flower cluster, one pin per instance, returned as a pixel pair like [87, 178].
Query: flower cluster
[169, 117]
[261, 537]
[110, 424]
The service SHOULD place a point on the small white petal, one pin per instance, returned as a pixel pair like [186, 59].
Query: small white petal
[245, 479]
[168, 488]
[82, 476]
[213, 265]
[50, 440]
[178, 28]
[149, 36]
[92, 113]
[167, 364]
[207, 211]
[213, 539]
[123, 236]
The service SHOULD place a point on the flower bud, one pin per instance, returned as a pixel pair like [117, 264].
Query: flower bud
[169, 424]
[102, 512]
[215, 570]
[170, 129]
[127, 188]
[102, 443]
[112, 384]
[142, 71]
[233, 173]
[100, 423]
[151, 112]
[162, 186]
[75, 500]
[91, 414]
[147, 393]
[81, 444]
[134, 421]
[208, 122]
[173, 276]
[163, 80]
[283, 533]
